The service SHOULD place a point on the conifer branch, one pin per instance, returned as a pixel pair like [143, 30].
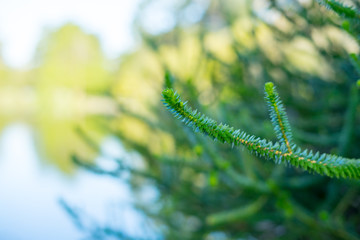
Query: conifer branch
[278, 116]
[324, 164]
[341, 9]
[233, 215]
[349, 127]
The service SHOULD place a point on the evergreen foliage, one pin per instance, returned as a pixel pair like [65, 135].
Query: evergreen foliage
[206, 190]
[341, 9]
[284, 151]
[278, 117]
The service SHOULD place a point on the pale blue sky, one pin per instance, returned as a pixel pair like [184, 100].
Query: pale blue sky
[22, 23]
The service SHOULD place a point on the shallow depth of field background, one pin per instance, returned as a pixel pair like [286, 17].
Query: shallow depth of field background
[88, 150]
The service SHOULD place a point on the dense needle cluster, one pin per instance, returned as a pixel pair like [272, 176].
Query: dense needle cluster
[341, 9]
[283, 151]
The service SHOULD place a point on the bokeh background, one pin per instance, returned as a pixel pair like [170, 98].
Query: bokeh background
[88, 151]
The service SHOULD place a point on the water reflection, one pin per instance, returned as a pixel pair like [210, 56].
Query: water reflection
[65, 90]
[43, 112]
[30, 192]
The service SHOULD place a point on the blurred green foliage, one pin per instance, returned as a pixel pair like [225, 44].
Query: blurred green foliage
[218, 54]
[220, 64]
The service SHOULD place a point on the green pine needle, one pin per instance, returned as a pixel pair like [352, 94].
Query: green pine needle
[341, 9]
[279, 152]
[278, 117]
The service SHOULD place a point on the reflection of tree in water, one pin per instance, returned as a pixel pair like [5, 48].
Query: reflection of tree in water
[63, 92]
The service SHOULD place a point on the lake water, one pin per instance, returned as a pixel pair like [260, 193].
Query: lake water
[30, 191]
